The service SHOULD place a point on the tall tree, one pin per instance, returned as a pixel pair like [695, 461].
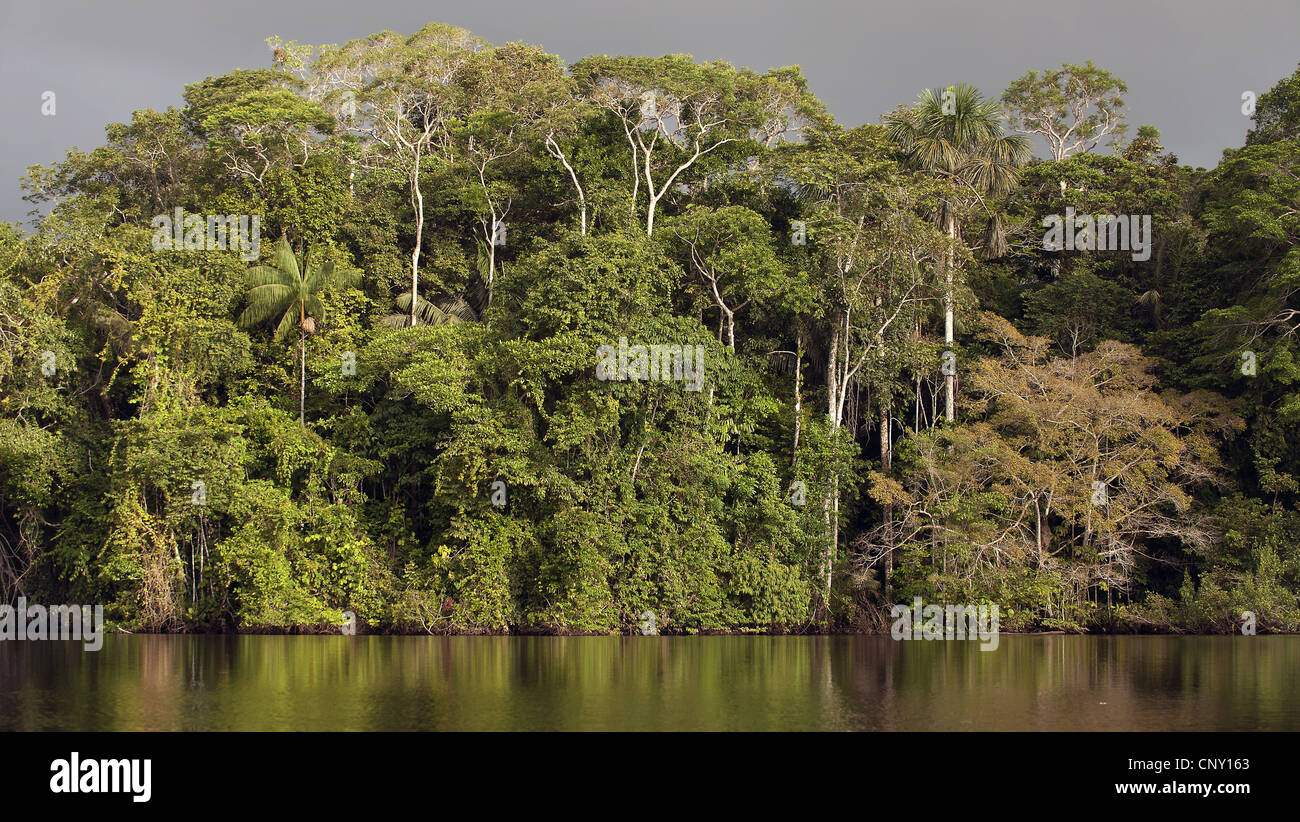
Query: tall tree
[293, 292]
[730, 251]
[674, 112]
[863, 211]
[957, 135]
[406, 96]
[1073, 108]
[513, 89]
[1277, 113]
[1069, 468]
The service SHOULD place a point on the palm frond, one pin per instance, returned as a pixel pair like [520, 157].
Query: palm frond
[315, 308]
[453, 310]
[265, 302]
[268, 275]
[317, 277]
[283, 289]
[285, 259]
[968, 141]
[1151, 301]
[288, 323]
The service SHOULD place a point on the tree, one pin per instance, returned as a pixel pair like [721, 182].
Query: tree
[405, 96]
[256, 122]
[449, 311]
[1046, 499]
[513, 89]
[1073, 108]
[149, 165]
[873, 246]
[1277, 113]
[957, 135]
[293, 293]
[674, 112]
[1146, 147]
[730, 250]
[1252, 305]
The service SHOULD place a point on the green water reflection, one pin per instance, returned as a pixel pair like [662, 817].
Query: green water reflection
[651, 683]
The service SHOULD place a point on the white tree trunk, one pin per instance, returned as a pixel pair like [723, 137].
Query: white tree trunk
[798, 394]
[949, 380]
[417, 200]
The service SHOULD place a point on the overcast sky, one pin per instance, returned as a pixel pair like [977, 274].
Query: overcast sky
[1186, 62]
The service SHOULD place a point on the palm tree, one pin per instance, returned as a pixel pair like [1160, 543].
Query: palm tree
[959, 136]
[453, 310]
[450, 310]
[283, 290]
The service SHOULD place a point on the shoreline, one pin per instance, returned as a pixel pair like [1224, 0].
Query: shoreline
[564, 634]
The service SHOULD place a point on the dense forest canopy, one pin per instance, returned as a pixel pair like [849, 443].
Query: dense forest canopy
[455, 337]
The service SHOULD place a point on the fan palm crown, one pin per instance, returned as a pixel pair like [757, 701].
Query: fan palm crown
[958, 134]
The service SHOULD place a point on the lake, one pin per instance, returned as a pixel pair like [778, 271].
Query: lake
[716, 683]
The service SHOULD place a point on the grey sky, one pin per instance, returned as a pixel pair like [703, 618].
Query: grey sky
[1186, 63]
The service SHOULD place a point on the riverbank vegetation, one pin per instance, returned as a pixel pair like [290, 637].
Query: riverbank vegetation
[396, 409]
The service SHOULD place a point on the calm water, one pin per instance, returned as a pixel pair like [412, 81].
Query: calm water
[651, 683]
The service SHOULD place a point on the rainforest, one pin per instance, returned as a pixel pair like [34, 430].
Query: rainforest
[391, 369]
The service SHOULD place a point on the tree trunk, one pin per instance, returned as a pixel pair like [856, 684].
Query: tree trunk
[798, 394]
[949, 380]
[830, 505]
[835, 539]
[1038, 530]
[832, 372]
[886, 464]
[553, 146]
[650, 213]
[417, 200]
[302, 378]
[492, 257]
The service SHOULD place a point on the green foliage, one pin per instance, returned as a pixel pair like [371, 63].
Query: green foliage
[1277, 113]
[1072, 107]
[461, 462]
